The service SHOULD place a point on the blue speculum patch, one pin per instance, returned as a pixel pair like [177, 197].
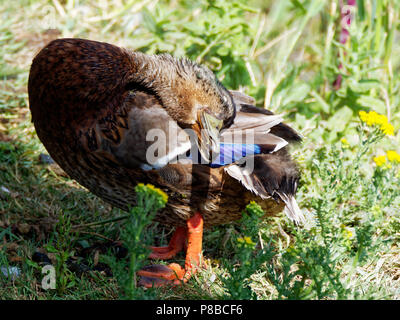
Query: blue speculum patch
[232, 152]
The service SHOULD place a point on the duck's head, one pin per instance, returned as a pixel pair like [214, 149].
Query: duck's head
[192, 96]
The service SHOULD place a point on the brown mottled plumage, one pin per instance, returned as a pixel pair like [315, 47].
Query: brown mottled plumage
[93, 106]
[89, 101]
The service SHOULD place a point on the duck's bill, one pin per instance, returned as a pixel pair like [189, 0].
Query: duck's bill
[209, 136]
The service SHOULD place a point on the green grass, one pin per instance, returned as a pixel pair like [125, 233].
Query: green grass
[284, 53]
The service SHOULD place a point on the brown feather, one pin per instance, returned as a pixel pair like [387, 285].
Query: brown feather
[92, 104]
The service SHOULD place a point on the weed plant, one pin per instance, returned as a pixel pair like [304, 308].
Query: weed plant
[286, 54]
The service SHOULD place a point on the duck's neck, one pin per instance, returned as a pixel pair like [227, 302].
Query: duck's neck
[170, 79]
[154, 72]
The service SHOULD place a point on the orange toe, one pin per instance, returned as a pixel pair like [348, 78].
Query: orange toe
[158, 271]
[160, 275]
[175, 245]
[174, 274]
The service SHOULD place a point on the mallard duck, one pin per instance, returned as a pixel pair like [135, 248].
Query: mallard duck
[94, 106]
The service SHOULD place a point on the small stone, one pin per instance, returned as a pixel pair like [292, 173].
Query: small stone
[46, 159]
[4, 189]
[10, 272]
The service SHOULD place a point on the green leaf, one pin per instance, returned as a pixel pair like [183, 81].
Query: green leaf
[167, 47]
[143, 42]
[299, 5]
[372, 103]
[32, 264]
[324, 106]
[223, 51]
[84, 243]
[51, 249]
[148, 21]
[296, 94]
[340, 120]
[363, 86]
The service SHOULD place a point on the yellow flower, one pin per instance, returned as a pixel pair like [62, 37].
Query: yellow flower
[291, 249]
[380, 161]
[246, 241]
[345, 143]
[363, 116]
[347, 232]
[380, 119]
[393, 156]
[152, 190]
[161, 193]
[387, 129]
[373, 118]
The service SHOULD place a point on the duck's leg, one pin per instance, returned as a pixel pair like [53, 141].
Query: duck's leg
[159, 275]
[176, 244]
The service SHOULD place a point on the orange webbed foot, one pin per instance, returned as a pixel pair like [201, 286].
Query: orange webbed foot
[175, 245]
[174, 274]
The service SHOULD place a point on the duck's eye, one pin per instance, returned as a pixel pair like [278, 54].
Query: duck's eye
[199, 76]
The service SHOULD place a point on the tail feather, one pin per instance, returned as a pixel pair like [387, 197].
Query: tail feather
[258, 122]
[273, 175]
[292, 209]
[252, 128]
